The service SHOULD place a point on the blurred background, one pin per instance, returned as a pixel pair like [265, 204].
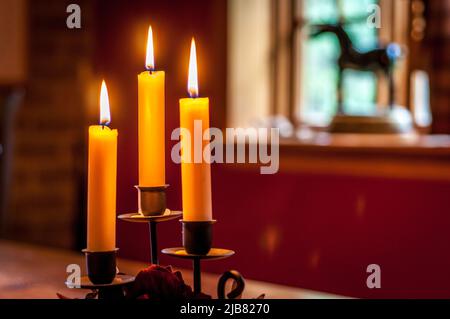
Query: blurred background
[339, 202]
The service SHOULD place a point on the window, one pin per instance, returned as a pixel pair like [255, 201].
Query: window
[276, 68]
[319, 72]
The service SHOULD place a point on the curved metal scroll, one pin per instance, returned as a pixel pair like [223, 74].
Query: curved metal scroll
[238, 285]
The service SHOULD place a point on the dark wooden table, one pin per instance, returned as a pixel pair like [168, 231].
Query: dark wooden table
[28, 271]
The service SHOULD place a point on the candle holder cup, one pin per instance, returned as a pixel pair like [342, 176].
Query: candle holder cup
[197, 236]
[152, 200]
[101, 266]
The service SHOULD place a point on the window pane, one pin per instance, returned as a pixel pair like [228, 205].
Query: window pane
[363, 37]
[319, 78]
[359, 91]
[321, 11]
[355, 8]
[319, 65]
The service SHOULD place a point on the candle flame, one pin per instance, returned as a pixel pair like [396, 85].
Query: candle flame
[105, 116]
[150, 59]
[193, 78]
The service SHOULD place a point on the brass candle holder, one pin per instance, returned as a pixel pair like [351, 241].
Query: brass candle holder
[152, 200]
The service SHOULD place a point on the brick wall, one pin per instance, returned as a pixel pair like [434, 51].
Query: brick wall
[47, 178]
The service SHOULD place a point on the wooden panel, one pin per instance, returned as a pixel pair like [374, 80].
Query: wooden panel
[12, 41]
[392, 156]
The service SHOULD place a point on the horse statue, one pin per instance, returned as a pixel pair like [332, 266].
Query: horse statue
[379, 61]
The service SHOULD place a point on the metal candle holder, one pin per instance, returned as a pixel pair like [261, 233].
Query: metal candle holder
[213, 254]
[197, 242]
[112, 290]
[101, 266]
[102, 277]
[152, 200]
[197, 236]
[152, 222]
[152, 210]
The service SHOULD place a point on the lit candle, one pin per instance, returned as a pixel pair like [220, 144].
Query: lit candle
[151, 122]
[196, 177]
[102, 169]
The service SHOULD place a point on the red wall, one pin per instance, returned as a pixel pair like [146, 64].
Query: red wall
[321, 232]
[310, 231]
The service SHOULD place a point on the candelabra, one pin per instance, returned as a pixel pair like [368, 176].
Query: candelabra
[197, 246]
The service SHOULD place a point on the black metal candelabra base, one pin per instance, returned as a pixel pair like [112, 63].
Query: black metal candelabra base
[152, 210]
[152, 222]
[112, 290]
[213, 254]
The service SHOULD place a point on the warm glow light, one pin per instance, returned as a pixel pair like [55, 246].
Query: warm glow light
[105, 116]
[150, 59]
[192, 78]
